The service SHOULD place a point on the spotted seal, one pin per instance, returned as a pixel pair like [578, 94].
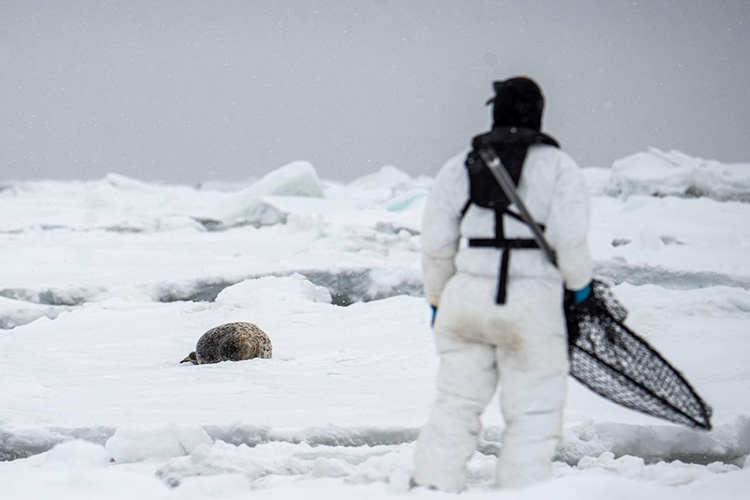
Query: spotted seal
[230, 342]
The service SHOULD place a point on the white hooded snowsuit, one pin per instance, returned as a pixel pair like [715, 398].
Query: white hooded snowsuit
[522, 343]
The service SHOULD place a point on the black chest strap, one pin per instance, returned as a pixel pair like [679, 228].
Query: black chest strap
[506, 245]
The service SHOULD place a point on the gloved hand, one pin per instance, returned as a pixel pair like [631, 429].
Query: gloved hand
[571, 301]
[582, 294]
[434, 314]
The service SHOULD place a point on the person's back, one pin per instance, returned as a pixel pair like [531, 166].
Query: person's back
[553, 191]
[500, 314]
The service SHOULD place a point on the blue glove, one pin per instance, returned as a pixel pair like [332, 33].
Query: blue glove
[582, 294]
[434, 313]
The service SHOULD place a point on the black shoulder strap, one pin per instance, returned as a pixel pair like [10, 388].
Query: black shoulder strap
[466, 208]
[519, 218]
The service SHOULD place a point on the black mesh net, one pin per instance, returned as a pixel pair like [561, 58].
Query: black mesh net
[614, 362]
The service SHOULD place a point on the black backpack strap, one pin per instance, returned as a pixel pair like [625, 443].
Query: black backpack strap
[466, 208]
[502, 284]
[516, 216]
[505, 244]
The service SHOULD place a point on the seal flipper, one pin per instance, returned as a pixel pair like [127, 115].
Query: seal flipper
[191, 358]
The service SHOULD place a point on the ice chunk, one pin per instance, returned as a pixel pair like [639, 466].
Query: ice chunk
[647, 240]
[127, 183]
[390, 282]
[292, 291]
[597, 179]
[78, 453]
[256, 213]
[406, 200]
[295, 179]
[246, 207]
[388, 177]
[114, 203]
[392, 186]
[160, 442]
[331, 467]
[16, 312]
[676, 174]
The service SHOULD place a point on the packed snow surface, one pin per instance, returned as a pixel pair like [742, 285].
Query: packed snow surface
[108, 284]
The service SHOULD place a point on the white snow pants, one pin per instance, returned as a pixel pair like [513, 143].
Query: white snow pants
[521, 344]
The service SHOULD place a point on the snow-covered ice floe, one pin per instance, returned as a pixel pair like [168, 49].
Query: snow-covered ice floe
[106, 285]
[659, 173]
[79, 469]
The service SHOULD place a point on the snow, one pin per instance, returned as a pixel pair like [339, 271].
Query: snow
[108, 284]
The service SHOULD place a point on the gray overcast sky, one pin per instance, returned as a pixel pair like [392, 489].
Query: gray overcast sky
[191, 90]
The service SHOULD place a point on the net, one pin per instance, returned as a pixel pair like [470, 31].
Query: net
[614, 362]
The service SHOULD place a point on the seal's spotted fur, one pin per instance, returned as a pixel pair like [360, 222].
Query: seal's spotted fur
[231, 342]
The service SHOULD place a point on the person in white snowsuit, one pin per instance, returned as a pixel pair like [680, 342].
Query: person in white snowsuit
[500, 316]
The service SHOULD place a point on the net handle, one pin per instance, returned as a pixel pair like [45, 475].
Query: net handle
[492, 161]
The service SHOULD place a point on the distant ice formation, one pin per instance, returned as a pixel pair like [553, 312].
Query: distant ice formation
[659, 173]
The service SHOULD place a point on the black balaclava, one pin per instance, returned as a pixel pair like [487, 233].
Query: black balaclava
[518, 102]
[517, 121]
